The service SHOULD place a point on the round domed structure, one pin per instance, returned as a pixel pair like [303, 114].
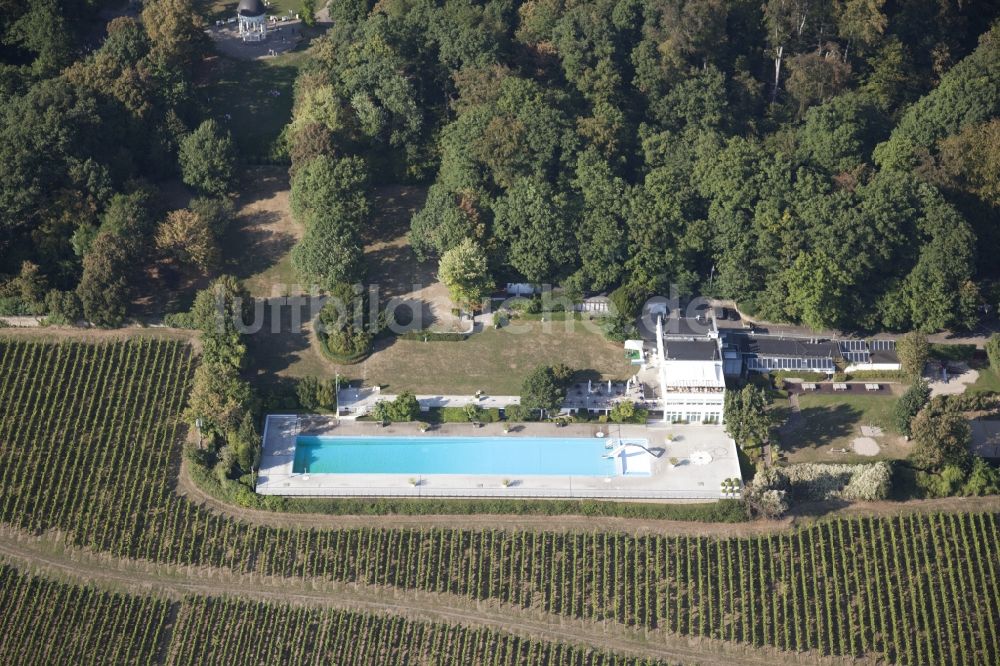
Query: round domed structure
[250, 8]
[252, 17]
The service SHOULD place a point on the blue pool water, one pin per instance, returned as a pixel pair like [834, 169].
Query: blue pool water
[554, 456]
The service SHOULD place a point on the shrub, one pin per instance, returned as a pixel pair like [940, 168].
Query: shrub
[767, 494]
[469, 413]
[316, 394]
[820, 482]
[782, 375]
[993, 352]
[517, 413]
[887, 375]
[430, 336]
[909, 404]
[63, 307]
[184, 320]
[404, 408]
[627, 412]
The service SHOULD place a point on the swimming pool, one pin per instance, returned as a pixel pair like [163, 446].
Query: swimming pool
[549, 456]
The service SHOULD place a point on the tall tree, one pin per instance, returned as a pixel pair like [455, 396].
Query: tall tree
[534, 221]
[940, 439]
[541, 390]
[600, 233]
[746, 416]
[176, 30]
[207, 158]
[913, 351]
[463, 269]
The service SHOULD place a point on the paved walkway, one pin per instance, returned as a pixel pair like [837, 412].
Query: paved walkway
[358, 402]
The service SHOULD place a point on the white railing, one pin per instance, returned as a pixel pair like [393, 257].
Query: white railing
[493, 493]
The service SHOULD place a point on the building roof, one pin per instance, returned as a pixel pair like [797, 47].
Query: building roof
[883, 351]
[250, 8]
[691, 350]
[687, 374]
[687, 327]
[786, 347]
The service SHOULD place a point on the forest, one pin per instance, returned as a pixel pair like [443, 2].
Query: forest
[830, 163]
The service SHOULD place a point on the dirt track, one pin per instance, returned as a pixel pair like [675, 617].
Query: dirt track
[48, 557]
[807, 514]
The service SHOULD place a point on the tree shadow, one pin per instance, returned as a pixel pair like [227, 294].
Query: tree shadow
[395, 270]
[278, 340]
[164, 287]
[260, 247]
[814, 509]
[820, 426]
[394, 206]
[262, 182]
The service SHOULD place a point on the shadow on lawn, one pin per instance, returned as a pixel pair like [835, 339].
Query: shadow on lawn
[262, 247]
[820, 426]
[396, 270]
[271, 349]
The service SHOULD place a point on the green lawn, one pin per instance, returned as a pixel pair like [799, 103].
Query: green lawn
[988, 380]
[952, 353]
[833, 421]
[253, 99]
[493, 360]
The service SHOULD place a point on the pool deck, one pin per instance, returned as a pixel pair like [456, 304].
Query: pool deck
[686, 481]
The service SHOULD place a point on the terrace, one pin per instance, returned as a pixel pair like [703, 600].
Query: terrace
[685, 463]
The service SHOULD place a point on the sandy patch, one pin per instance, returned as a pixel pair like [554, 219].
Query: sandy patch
[871, 431]
[959, 376]
[865, 446]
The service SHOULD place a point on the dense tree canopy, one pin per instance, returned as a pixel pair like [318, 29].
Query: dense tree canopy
[83, 132]
[831, 163]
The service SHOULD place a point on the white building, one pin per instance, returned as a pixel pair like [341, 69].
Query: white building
[252, 18]
[685, 371]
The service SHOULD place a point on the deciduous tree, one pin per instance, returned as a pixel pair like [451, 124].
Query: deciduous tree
[913, 351]
[207, 157]
[464, 270]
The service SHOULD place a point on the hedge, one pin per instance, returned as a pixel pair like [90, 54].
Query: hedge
[887, 375]
[430, 336]
[782, 375]
[338, 358]
[458, 415]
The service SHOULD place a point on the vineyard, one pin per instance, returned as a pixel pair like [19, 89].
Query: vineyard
[217, 631]
[89, 444]
[55, 623]
[51, 623]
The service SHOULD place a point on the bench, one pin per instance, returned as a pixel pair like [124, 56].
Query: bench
[872, 387]
[809, 387]
[840, 387]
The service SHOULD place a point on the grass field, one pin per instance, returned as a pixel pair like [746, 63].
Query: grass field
[253, 99]
[833, 421]
[988, 380]
[259, 243]
[494, 360]
[88, 448]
